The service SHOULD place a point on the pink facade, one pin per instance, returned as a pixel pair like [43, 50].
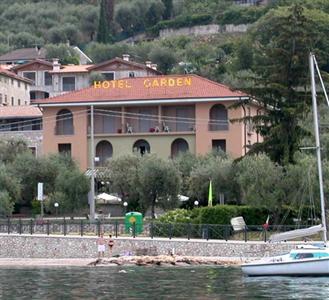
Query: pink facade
[157, 125]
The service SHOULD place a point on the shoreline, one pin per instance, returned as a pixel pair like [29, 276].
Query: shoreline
[160, 260]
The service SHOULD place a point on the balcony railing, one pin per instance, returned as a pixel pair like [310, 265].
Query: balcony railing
[218, 125]
[64, 130]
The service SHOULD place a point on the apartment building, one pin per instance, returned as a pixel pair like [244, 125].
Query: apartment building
[52, 79]
[14, 89]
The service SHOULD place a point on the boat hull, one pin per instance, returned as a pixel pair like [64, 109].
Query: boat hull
[305, 267]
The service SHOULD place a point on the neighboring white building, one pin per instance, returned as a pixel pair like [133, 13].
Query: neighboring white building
[14, 89]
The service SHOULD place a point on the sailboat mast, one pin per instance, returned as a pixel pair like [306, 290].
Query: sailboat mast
[317, 145]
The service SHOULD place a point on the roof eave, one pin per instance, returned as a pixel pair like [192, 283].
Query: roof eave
[141, 101]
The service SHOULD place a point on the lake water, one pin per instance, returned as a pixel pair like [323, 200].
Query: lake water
[154, 283]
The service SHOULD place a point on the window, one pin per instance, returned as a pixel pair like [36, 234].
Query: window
[30, 75]
[64, 122]
[218, 118]
[68, 84]
[183, 114]
[219, 145]
[141, 147]
[131, 74]
[6, 98]
[48, 79]
[19, 84]
[0, 98]
[178, 146]
[108, 75]
[104, 151]
[64, 149]
[19, 102]
[33, 95]
[37, 124]
[12, 101]
[147, 119]
[25, 86]
[12, 81]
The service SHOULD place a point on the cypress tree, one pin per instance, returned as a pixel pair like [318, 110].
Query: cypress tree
[110, 15]
[103, 26]
[168, 9]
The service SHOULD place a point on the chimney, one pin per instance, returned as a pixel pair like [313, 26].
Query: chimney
[56, 65]
[126, 57]
[154, 66]
[148, 64]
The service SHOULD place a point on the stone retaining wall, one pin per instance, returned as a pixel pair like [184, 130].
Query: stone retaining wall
[26, 246]
[203, 30]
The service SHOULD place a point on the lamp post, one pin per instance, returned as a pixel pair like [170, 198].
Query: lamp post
[125, 204]
[56, 205]
[196, 203]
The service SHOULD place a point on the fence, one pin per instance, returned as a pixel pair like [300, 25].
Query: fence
[152, 229]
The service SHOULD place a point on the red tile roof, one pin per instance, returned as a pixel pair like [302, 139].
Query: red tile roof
[24, 111]
[148, 88]
[36, 61]
[119, 60]
[72, 69]
[24, 54]
[10, 74]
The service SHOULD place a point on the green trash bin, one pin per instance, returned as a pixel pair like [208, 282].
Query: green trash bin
[134, 219]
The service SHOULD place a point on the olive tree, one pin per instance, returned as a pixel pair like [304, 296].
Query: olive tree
[159, 183]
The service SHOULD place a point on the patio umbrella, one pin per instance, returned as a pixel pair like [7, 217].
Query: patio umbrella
[182, 198]
[107, 198]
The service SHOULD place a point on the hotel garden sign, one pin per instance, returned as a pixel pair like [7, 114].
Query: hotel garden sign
[147, 83]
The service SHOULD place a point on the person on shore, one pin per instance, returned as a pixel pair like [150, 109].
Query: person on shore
[101, 245]
[110, 244]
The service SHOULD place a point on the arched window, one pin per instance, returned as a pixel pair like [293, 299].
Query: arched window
[178, 146]
[218, 119]
[142, 147]
[64, 122]
[104, 151]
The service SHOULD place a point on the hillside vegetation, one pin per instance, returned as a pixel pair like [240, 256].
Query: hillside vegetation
[27, 23]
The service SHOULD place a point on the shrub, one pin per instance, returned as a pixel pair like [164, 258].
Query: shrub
[177, 216]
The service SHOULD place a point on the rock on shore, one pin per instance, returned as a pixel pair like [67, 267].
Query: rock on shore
[166, 260]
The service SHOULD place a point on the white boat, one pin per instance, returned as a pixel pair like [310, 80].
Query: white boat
[304, 260]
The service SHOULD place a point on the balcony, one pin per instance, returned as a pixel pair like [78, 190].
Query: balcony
[218, 125]
[64, 130]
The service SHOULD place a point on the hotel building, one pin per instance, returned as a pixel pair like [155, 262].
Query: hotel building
[165, 115]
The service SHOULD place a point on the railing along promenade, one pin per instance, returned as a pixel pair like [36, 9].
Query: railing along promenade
[151, 229]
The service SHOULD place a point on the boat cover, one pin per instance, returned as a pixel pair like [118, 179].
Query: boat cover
[290, 235]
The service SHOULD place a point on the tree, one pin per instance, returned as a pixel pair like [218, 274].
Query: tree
[128, 17]
[261, 183]
[282, 40]
[159, 183]
[63, 52]
[168, 9]
[10, 191]
[103, 26]
[6, 205]
[164, 58]
[71, 189]
[123, 175]
[154, 13]
[218, 168]
[10, 149]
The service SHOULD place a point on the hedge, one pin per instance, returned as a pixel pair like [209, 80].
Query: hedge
[222, 214]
